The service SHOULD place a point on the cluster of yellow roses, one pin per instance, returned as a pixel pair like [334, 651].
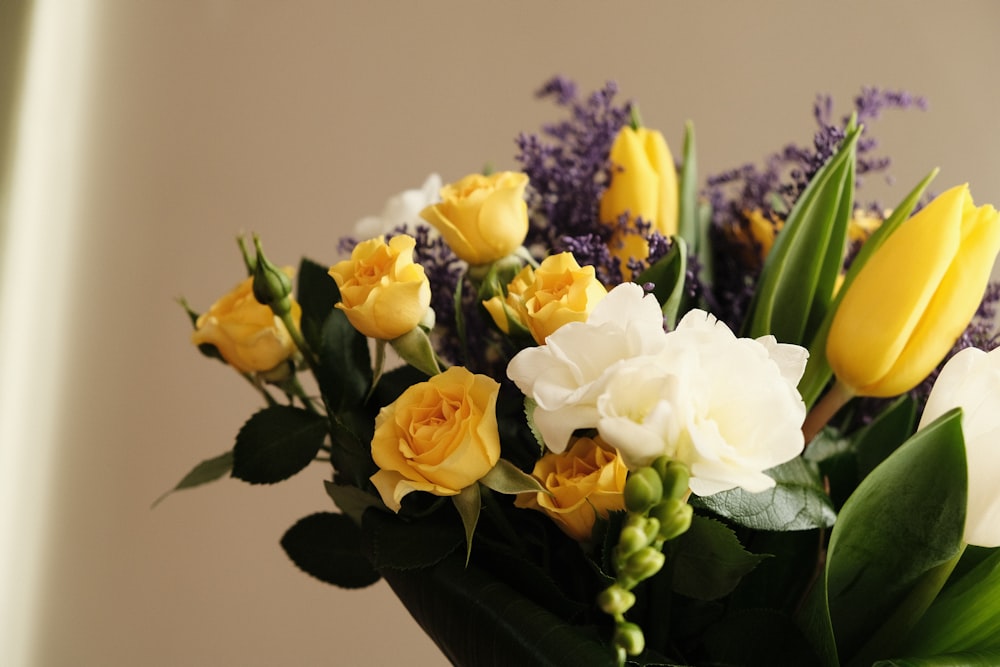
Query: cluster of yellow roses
[896, 321]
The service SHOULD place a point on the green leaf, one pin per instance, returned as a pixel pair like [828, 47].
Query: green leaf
[507, 478]
[709, 561]
[758, 638]
[397, 543]
[328, 547]
[276, 443]
[903, 523]
[985, 658]
[345, 367]
[965, 617]
[317, 293]
[476, 619]
[207, 471]
[351, 500]
[797, 501]
[667, 276]
[796, 283]
[687, 214]
[818, 372]
[469, 504]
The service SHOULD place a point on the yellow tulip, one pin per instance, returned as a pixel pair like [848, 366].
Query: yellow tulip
[911, 301]
[643, 184]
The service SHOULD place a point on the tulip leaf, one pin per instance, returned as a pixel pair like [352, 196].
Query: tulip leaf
[207, 471]
[965, 617]
[797, 501]
[794, 290]
[668, 275]
[708, 560]
[818, 372]
[979, 658]
[902, 524]
[477, 619]
[328, 547]
[687, 215]
[277, 442]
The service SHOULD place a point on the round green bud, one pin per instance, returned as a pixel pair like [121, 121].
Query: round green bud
[674, 517]
[271, 286]
[629, 637]
[676, 477]
[644, 563]
[631, 539]
[643, 489]
[615, 600]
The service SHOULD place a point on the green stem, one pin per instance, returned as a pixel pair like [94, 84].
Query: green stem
[378, 367]
[249, 377]
[821, 413]
[300, 342]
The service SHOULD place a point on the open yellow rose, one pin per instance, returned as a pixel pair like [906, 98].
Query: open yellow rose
[382, 292]
[246, 332]
[439, 436]
[585, 481]
[644, 185]
[910, 302]
[559, 291]
[482, 218]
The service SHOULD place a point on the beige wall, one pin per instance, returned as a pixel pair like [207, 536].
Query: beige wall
[295, 119]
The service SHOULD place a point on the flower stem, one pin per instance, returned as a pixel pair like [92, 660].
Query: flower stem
[825, 409]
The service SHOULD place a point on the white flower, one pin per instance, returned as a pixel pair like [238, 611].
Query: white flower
[732, 410]
[402, 209]
[566, 375]
[971, 380]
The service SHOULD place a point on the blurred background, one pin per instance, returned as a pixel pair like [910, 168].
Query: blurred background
[138, 138]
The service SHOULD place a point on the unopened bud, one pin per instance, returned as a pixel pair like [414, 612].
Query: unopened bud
[674, 516]
[644, 563]
[615, 600]
[631, 539]
[629, 637]
[643, 489]
[676, 477]
[271, 285]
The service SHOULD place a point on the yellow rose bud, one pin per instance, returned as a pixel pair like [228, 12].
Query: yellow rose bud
[644, 185]
[382, 292]
[482, 218]
[914, 297]
[559, 291]
[439, 436]
[245, 332]
[585, 481]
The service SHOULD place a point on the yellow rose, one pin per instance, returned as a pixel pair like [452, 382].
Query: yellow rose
[585, 481]
[439, 436]
[482, 218]
[643, 184]
[245, 332]
[914, 297]
[382, 292]
[557, 292]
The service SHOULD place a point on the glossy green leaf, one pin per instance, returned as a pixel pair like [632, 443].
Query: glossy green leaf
[668, 276]
[818, 373]
[795, 290]
[984, 658]
[328, 547]
[207, 471]
[903, 523]
[476, 619]
[316, 292]
[965, 617]
[277, 442]
[708, 560]
[797, 501]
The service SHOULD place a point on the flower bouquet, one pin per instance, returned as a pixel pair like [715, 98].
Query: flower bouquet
[591, 413]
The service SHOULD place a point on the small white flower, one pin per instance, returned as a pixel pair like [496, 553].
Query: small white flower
[401, 209]
[971, 380]
[566, 375]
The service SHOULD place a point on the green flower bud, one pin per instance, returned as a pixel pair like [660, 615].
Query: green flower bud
[629, 637]
[631, 539]
[615, 600]
[674, 517]
[643, 489]
[644, 563]
[676, 477]
[271, 285]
